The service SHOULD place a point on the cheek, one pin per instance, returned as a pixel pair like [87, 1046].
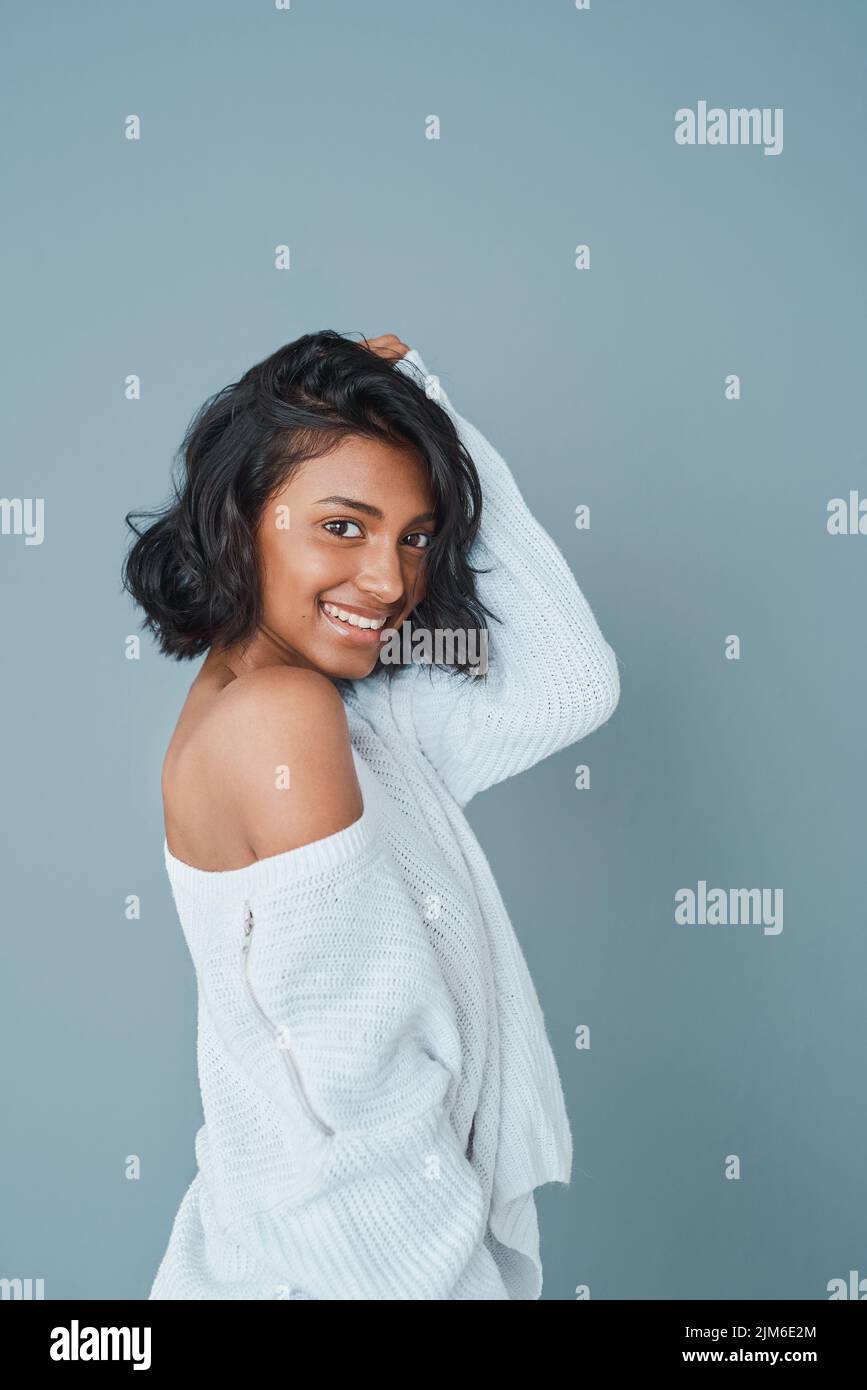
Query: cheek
[296, 572]
[416, 582]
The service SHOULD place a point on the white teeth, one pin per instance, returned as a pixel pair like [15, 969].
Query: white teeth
[352, 618]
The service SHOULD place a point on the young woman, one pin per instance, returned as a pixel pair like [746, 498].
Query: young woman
[380, 1097]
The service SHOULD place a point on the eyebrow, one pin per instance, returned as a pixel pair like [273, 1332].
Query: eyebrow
[371, 511]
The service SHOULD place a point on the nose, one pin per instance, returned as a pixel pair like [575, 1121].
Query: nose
[381, 576]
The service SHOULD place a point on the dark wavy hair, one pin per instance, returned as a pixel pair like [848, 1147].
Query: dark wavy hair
[193, 570]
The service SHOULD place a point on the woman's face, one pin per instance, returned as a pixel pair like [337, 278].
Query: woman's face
[350, 531]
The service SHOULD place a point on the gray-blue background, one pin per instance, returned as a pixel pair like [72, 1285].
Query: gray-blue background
[605, 387]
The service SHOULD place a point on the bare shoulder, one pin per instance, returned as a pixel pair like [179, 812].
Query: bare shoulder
[265, 693]
[280, 742]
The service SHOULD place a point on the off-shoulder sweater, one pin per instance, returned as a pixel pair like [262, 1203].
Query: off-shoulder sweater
[379, 1093]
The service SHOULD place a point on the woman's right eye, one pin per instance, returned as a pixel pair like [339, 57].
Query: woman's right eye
[329, 524]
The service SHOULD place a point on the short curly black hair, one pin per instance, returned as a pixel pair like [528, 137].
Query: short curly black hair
[193, 570]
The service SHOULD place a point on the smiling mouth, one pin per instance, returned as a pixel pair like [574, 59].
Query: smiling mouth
[351, 627]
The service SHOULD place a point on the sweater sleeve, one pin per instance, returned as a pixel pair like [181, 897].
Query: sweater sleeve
[341, 1018]
[552, 678]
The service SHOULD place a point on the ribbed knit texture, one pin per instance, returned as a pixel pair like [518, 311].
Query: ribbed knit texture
[379, 1092]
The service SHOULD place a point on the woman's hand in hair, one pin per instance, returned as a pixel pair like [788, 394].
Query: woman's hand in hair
[387, 345]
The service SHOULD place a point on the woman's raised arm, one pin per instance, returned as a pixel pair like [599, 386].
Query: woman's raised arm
[552, 678]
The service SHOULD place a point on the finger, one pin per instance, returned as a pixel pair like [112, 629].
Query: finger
[387, 340]
[388, 349]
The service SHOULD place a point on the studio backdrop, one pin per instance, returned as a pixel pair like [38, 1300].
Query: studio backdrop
[628, 236]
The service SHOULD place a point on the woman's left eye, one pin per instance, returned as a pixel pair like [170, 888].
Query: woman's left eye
[420, 536]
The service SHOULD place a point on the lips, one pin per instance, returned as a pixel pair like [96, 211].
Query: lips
[376, 614]
[360, 636]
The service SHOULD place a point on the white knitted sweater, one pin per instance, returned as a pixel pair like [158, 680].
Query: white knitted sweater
[379, 1093]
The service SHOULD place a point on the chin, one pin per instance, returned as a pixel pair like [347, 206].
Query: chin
[347, 667]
